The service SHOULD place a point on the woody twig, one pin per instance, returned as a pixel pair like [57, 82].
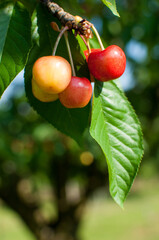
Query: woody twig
[81, 26]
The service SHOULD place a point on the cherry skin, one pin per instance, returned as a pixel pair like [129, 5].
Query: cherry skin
[77, 94]
[41, 95]
[108, 64]
[86, 52]
[52, 73]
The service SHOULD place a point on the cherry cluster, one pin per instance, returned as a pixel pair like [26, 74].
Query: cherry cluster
[52, 79]
[52, 76]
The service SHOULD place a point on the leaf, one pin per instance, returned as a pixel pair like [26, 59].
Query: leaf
[15, 41]
[117, 130]
[111, 4]
[29, 4]
[72, 122]
[4, 22]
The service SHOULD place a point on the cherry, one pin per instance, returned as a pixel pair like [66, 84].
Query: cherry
[41, 95]
[108, 64]
[52, 74]
[77, 94]
[86, 52]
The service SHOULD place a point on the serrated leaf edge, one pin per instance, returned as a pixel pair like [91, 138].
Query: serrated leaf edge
[117, 199]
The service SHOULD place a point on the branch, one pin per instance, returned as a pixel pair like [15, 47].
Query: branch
[59, 12]
[81, 26]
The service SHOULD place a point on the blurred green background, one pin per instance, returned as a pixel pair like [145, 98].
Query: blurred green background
[52, 189]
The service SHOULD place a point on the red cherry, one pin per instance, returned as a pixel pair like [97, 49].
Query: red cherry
[108, 64]
[86, 52]
[77, 94]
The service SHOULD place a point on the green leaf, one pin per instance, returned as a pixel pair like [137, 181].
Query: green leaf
[29, 4]
[111, 4]
[15, 41]
[72, 122]
[5, 14]
[117, 130]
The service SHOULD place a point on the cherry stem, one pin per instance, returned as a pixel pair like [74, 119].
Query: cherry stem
[70, 54]
[87, 45]
[87, 41]
[98, 37]
[58, 39]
